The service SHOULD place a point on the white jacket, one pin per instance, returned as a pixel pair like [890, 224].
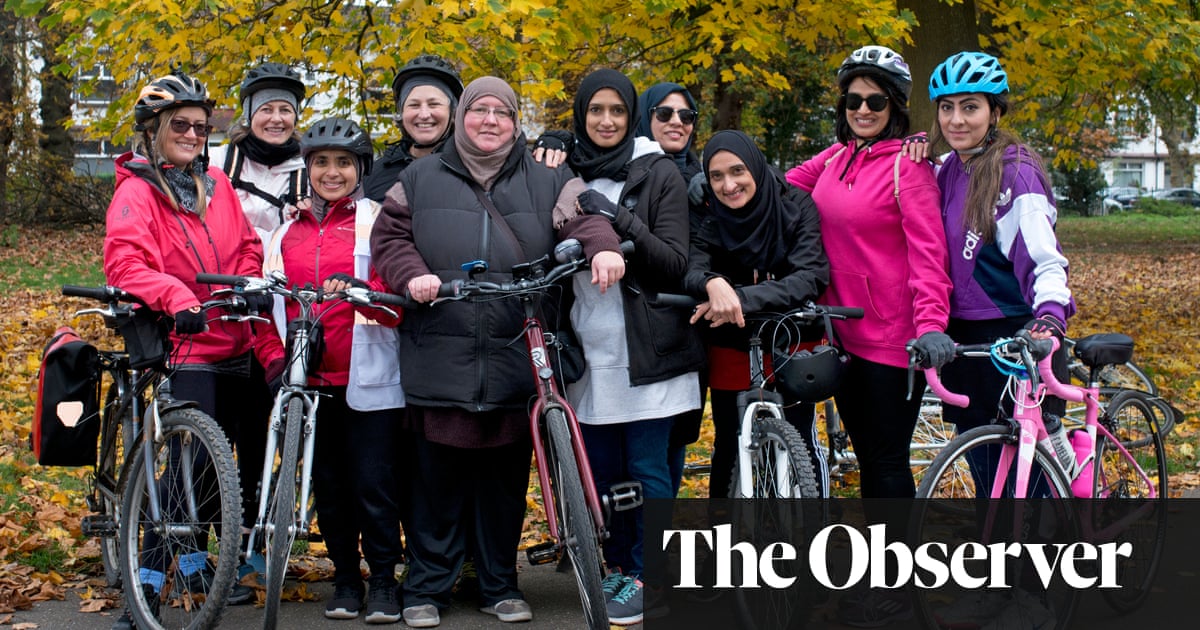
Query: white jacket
[272, 180]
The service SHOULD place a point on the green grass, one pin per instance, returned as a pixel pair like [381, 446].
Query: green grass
[1131, 232]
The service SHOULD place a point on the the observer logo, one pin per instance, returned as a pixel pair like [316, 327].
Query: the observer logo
[931, 565]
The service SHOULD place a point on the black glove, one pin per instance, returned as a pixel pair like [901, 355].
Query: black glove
[273, 374]
[348, 279]
[592, 202]
[189, 322]
[936, 347]
[1046, 324]
[259, 302]
[916, 138]
[697, 189]
[557, 140]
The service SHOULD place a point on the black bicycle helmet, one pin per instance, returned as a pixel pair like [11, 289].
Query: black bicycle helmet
[339, 133]
[877, 61]
[272, 75]
[809, 376]
[428, 65]
[169, 92]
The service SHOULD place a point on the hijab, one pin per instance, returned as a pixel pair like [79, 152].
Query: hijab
[755, 232]
[587, 159]
[654, 95]
[407, 87]
[484, 166]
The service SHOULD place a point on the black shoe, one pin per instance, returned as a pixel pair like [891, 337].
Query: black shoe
[346, 603]
[200, 581]
[125, 621]
[383, 604]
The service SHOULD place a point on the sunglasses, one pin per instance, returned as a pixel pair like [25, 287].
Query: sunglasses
[181, 127]
[875, 102]
[664, 113]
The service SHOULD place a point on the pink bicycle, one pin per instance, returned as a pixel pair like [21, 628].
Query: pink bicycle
[1113, 464]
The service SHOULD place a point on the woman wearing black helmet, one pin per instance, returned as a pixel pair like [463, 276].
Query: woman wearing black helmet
[881, 228]
[262, 158]
[758, 248]
[173, 216]
[354, 481]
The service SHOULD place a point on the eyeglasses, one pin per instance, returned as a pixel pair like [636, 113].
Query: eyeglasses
[875, 102]
[181, 127]
[480, 111]
[664, 113]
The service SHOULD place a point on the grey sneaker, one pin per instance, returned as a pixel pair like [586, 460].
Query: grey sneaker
[382, 604]
[625, 608]
[612, 585]
[346, 602]
[509, 610]
[423, 616]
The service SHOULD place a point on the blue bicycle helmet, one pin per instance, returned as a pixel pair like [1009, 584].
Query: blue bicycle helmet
[967, 73]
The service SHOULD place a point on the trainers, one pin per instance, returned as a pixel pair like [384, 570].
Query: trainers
[125, 621]
[878, 607]
[612, 585]
[382, 604]
[1024, 612]
[199, 581]
[509, 610]
[346, 602]
[423, 616]
[971, 610]
[625, 608]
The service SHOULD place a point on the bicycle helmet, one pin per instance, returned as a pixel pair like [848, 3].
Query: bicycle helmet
[966, 73]
[339, 133]
[431, 66]
[169, 92]
[877, 61]
[809, 376]
[272, 75]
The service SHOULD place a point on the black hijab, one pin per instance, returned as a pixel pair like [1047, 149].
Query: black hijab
[587, 159]
[652, 97]
[755, 232]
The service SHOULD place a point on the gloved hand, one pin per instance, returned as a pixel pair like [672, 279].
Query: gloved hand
[190, 322]
[259, 302]
[557, 140]
[346, 279]
[697, 189]
[273, 374]
[1046, 325]
[592, 202]
[936, 347]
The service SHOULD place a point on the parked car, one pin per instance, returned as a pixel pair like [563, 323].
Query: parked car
[1184, 196]
[1119, 197]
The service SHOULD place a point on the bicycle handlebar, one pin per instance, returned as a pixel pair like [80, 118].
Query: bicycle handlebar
[1034, 354]
[808, 311]
[277, 283]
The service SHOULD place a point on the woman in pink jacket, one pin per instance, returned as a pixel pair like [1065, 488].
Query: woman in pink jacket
[881, 228]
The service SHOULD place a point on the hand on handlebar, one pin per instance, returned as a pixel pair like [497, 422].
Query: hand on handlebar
[337, 282]
[424, 288]
[607, 269]
[723, 305]
[936, 348]
[191, 321]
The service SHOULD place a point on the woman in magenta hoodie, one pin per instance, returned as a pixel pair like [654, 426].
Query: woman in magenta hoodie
[882, 231]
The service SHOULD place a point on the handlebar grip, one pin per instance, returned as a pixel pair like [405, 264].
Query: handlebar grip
[388, 298]
[219, 278]
[450, 289]
[95, 293]
[627, 248]
[674, 299]
[849, 312]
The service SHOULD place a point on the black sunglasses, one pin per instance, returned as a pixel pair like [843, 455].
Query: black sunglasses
[181, 127]
[664, 113]
[875, 102]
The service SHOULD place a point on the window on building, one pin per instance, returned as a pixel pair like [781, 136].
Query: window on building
[1127, 174]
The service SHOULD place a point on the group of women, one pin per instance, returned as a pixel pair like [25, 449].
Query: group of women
[448, 453]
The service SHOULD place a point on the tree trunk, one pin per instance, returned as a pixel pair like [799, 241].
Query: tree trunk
[1179, 160]
[942, 30]
[55, 104]
[9, 53]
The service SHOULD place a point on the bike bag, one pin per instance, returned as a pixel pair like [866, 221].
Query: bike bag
[66, 420]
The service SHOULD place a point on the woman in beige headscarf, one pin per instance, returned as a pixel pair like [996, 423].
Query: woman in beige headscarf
[466, 388]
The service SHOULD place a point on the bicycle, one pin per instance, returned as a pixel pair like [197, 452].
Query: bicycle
[285, 487]
[1016, 459]
[930, 434]
[576, 513]
[165, 478]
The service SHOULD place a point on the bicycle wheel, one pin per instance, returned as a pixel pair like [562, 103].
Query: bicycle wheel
[957, 511]
[1124, 510]
[780, 467]
[930, 435]
[197, 496]
[119, 435]
[576, 530]
[281, 517]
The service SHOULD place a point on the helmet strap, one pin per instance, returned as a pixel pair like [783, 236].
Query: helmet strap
[988, 140]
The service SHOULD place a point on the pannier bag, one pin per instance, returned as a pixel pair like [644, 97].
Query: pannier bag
[66, 421]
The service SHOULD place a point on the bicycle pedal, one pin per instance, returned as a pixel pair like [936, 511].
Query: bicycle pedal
[543, 553]
[624, 496]
[101, 525]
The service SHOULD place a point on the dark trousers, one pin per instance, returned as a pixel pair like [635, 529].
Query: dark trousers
[871, 401]
[458, 496]
[726, 422]
[354, 483]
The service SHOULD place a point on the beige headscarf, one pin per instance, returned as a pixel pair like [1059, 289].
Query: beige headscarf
[484, 166]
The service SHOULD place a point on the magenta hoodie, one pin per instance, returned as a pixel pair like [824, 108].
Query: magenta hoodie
[888, 258]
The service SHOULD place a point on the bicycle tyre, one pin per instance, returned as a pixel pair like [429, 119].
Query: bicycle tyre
[282, 513]
[779, 443]
[950, 511]
[188, 435]
[575, 525]
[120, 433]
[930, 435]
[1121, 495]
